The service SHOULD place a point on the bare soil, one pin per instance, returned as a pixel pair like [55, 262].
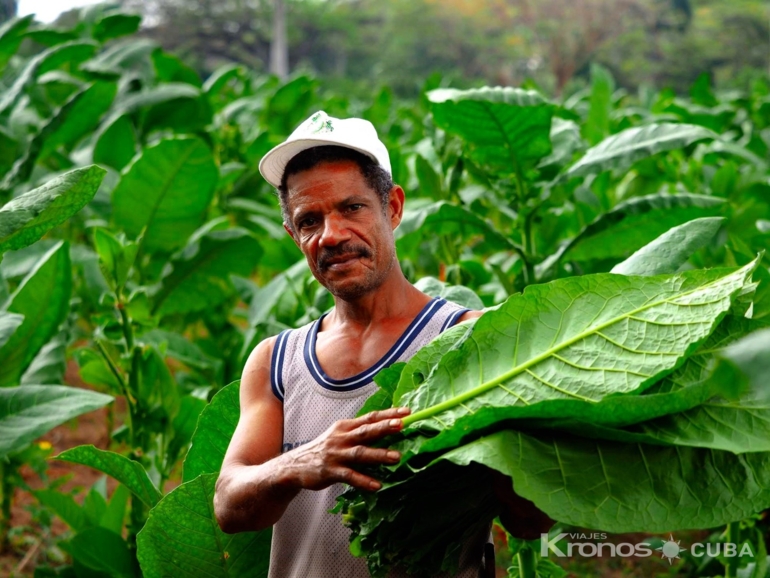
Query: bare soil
[32, 543]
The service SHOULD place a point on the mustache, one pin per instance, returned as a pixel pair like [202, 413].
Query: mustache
[329, 253]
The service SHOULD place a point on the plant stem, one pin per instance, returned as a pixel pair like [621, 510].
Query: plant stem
[110, 423]
[137, 518]
[5, 510]
[115, 372]
[128, 333]
[732, 535]
[527, 562]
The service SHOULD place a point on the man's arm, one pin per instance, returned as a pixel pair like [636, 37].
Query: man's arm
[257, 482]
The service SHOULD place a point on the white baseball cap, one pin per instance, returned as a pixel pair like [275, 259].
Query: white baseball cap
[319, 130]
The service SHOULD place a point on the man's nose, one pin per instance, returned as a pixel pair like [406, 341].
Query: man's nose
[335, 231]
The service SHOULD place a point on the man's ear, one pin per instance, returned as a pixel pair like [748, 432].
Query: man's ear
[396, 206]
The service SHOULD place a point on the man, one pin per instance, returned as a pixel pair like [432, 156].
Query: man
[297, 440]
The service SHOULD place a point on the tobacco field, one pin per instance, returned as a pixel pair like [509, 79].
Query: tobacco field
[142, 257]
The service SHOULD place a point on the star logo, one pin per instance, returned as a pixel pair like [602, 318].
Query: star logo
[670, 549]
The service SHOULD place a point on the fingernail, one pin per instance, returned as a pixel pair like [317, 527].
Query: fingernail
[395, 422]
[374, 485]
[403, 410]
[394, 455]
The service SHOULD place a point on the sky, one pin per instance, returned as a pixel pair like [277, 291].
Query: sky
[48, 10]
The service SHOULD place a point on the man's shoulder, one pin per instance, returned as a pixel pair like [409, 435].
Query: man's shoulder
[267, 345]
[470, 314]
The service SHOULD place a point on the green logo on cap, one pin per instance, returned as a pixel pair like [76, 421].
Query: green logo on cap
[321, 125]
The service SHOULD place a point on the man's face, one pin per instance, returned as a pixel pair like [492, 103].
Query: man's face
[341, 227]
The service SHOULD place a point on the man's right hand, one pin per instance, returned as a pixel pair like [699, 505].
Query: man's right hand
[333, 456]
[257, 482]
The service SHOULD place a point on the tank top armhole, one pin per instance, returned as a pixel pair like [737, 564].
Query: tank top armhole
[276, 364]
[452, 318]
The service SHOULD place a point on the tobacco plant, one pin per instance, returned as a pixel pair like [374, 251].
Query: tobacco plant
[134, 211]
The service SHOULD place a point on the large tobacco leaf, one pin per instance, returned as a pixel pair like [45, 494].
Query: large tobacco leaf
[630, 225]
[734, 411]
[216, 426]
[672, 249]
[621, 150]
[577, 340]
[505, 127]
[165, 192]
[622, 487]
[28, 217]
[182, 538]
[43, 299]
[736, 425]
[12, 33]
[29, 411]
[199, 276]
[74, 120]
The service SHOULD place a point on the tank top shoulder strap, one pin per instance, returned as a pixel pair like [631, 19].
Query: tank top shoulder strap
[294, 348]
[446, 316]
[283, 351]
[452, 312]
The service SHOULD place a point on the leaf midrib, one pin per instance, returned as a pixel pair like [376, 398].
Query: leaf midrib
[182, 159]
[484, 387]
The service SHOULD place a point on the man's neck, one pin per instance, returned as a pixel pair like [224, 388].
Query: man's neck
[396, 297]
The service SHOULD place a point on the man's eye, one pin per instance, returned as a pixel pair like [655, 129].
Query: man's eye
[355, 206]
[304, 223]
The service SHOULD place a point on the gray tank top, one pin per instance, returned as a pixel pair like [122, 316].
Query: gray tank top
[308, 541]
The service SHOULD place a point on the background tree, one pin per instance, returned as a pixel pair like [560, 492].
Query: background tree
[357, 43]
[7, 9]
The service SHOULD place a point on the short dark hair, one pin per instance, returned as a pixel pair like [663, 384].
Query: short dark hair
[377, 178]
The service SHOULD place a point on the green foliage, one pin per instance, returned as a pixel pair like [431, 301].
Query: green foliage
[620, 151]
[672, 249]
[29, 411]
[505, 127]
[130, 473]
[586, 338]
[160, 272]
[165, 192]
[50, 282]
[182, 538]
[28, 217]
[216, 425]
[198, 278]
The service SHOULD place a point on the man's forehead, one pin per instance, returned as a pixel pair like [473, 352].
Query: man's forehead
[326, 176]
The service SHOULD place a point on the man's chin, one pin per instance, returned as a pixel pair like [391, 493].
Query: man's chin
[350, 289]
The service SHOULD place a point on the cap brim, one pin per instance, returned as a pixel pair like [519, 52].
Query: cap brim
[273, 164]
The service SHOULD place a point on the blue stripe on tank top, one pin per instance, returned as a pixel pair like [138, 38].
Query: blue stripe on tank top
[366, 376]
[276, 364]
[452, 319]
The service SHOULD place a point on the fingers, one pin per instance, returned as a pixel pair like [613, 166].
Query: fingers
[371, 432]
[357, 480]
[376, 416]
[367, 455]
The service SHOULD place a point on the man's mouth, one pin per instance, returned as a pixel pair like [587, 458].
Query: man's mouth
[341, 262]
